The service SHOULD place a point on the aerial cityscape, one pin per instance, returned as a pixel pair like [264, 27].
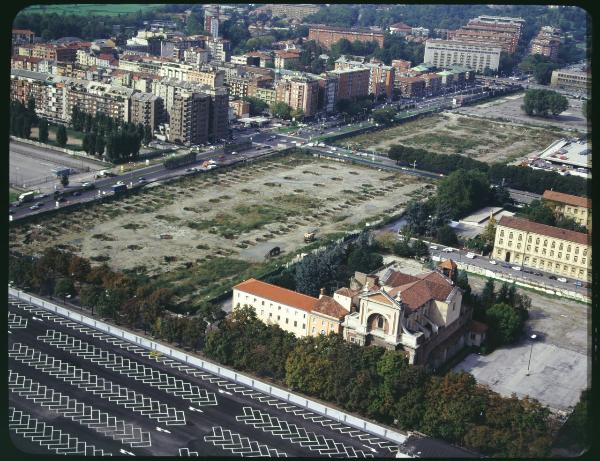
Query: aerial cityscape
[300, 230]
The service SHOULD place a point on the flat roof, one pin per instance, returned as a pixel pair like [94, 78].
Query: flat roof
[568, 152]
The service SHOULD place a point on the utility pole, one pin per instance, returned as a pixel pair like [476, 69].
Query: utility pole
[530, 352]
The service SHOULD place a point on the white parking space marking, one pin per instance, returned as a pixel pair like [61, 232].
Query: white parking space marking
[239, 445]
[96, 385]
[16, 321]
[79, 412]
[48, 436]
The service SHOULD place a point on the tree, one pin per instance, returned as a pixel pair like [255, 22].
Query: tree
[489, 232]
[420, 249]
[446, 236]
[505, 324]
[257, 106]
[63, 287]
[147, 135]
[43, 131]
[281, 110]
[540, 212]
[363, 260]
[540, 102]
[297, 114]
[488, 296]
[61, 136]
[384, 116]
[99, 145]
[464, 191]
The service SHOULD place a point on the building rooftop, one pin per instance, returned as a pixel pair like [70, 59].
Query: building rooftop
[543, 229]
[353, 30]
[567, 199]
[568, 152]
[326, 305]
[277, 294]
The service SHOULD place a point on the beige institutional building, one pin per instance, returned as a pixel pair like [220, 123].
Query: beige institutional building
[551, 249]
[571, 206]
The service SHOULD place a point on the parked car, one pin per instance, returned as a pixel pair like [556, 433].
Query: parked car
[433, 247]
[506, 266]
[471, 255]
[120, 183]
[34, 207]
[562, 279]
[578, 283]
[552, 277]
[516, 268]
[448, 250]
[76, 193]
[539, 274]
[493, 262]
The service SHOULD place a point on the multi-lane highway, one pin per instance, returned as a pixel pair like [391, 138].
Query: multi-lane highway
[76, 390]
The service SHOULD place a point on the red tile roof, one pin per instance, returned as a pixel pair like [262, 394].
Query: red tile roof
[426, 287]
[543, 229]
[328, 306]
[395, 279]
[346, 292]
[568, 199]
[277, 294]
[447, 264]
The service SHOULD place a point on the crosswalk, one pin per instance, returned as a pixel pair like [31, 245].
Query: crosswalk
[295, 434]
[243, 446]
[16, 321]
[96, 385]
[50, 437]
[79, 412]
[129, 368]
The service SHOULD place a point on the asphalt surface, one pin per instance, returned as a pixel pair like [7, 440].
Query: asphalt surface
[115, 396]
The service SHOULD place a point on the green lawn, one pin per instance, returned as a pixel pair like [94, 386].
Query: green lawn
[13, 196]
[97, 9]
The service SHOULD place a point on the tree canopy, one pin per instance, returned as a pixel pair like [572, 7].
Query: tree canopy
[543, 102]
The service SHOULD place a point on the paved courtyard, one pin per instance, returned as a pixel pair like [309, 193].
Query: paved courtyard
[556, 375]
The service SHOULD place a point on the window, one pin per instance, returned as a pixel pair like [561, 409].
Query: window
[551, 252]
[518, 246]
[262, 303]
[304, 315]
[545, 242]
[262, 312]
[575, 259]
[520, 237]
[278, 308]
[584, 251]
[534, 260]
[295, 323]
[583, 260]
[278, 317]
[380, 322]
[304, 326]
[529, 239]
[500, 241]
[510, 243]
[537, 249]
[286, 320]
[528, 247]
[560, 247]
[322, 322]
[544, 252]
[553, 245]
[313, 329]
[576, 250]
[559, 255]
[510, 236]
[502, 233]
[352, 339]
[270, 314]
[537, 241]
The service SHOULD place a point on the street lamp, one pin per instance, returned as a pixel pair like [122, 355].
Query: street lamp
[532, 337]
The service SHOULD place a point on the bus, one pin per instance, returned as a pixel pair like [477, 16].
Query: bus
[27, 197]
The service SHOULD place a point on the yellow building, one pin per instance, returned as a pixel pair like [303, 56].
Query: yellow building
[571, 206]
[326, 317]
[551, 249]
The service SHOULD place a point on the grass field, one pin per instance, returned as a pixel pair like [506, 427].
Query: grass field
[201, 235]
[74, 138]
[449, 133]
[13, 195]
[98, 9]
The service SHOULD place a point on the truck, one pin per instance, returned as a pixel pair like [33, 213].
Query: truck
[118, 188]
[310, 236]
[104, 174]
[26, 197]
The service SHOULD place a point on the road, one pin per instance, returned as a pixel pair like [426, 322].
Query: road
[525, 274]
[111, 395]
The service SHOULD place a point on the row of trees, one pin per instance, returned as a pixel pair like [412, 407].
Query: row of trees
[543, 102]
[22, 118]
[522, 178]
[125, 298]
[379, 384]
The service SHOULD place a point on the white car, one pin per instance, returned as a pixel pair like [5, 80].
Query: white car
[120, 183]
[493, 262]
[471, 255]
[516, 268]
[448, 250]
[562, 279]
[433, 247]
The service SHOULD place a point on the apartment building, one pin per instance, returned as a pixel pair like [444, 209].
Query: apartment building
[501, 31]
[219, 49]
[283, 59]
[326, 317]
[196, 56]
[268, 95]
[381, 77]
[291, 11]
[411, 87]
[26, 63]
[210, 77]
[327, 35]
[551, 249]
[20, 36]
[401, 29]
[258, 58]
[147, 109]
[547, 42]
[571, 80]
[300, 93]
[328, 92]
[474, 55]
[571, 206]
[352, 83]
[189, 118]
[422, 315]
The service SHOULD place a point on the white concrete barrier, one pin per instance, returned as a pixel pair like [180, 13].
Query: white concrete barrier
[218, 370]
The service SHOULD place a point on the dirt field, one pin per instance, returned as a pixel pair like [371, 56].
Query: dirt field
[237, 216]
[450, 133]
